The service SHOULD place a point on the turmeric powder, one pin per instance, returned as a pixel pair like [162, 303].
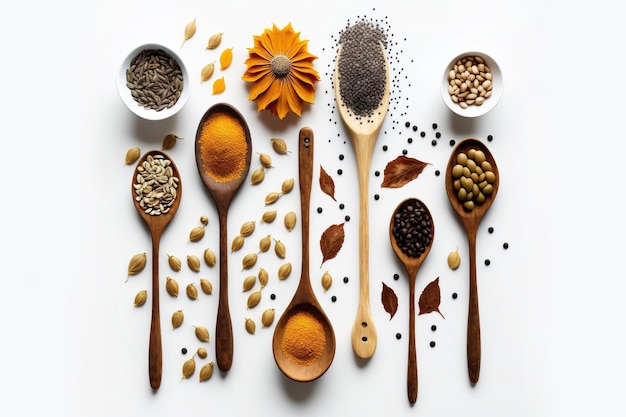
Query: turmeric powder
[304, 339]
[223, 147]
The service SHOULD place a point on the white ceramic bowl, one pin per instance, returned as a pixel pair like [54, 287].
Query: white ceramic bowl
[126, 93]
[473, 110]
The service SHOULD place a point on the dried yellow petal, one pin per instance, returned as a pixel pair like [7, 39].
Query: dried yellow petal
[209, 257]
[207, 72]
[196, 233]
[174, 262]
[266, 160]
[206, 285]
[279, 248]
[263, 277]
[190, 30]
[248, 282]
[132, 155]
[171, 286]
[226, 58]
[265, 243]
[248, 261]
[177, 318]
[214, 40]
[257, 177]
[454, 259]
[189, 367]
[327, 281]
[140, 298]
[247, 228]
[137, 264]
[267, 318]
[202, 353]
[192, 291]
[287, 185]
[290, 220]
[268, 216]
[219, 86]
[169, 141]
[202, 333]
[237, 244]
[271, 198]
[284, 271]
[280, 146]
[254, 299]
[193, 262]
[250, 325]
[206, 371]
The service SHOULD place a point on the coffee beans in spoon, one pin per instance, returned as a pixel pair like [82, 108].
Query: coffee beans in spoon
[413, 228]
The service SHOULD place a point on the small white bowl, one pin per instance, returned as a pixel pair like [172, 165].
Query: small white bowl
[126, 93]
[474, 110]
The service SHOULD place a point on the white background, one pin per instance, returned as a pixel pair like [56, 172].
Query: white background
[551, 305]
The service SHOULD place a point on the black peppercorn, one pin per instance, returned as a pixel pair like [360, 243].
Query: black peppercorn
[183, 351]
[423, 134]
[404, 151]
[346, 279]
[376, 196]
[489, 138]
[414, 128]
[433, 327]
[342, 206]
[487, 262]
[505, 245]
[407, 124]
[377, 173]
[396, 276]
[340, 171]
[333, 298]
[452, 142]
[273, 296]
[454, 295]
[341, 157]
[319, 210]
[434, 125]
[385, 148]
[490, 230]
[398, 336]
[437, 172]
[433, 142]
[347, 218]
[432, 344]
[438, 135]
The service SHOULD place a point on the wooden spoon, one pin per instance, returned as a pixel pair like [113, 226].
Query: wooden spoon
[363, 133]
[156, 224]
[471, 220]
[222, 194]
[304, 298]
[412, 264]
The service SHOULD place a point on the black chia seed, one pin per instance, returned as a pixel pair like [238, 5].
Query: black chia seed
[396, 276]
[333, 298]
[398, 336]
[505, 245]
[413, 228]
[433, 327]
[346, 279]
[432, 344]
[183, 351]
[273, 296]
[454, 295]
[319, 210]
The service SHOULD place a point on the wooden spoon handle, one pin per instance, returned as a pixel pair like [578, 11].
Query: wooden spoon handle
[305, 175]
[155, 352]
[473, 318]
[412, 367]
[223, 328]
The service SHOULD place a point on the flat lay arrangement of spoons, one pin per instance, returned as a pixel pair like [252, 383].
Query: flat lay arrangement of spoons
[222, 194]
[363, 134]
[412, 262]
[304, 298]
[156, 224]
[471, 220]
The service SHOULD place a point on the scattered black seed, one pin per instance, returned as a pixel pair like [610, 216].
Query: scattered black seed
[505, 245]
[407, 124]
[404, 152]
[319, 209]
[376, 197]
[410, 140]
[396, 276]
[346, 279]
[438, 135]
[333, 298]
[347, 218]
[273, 296]
[377, 173]
[341, 157]
[385, 148]
[432, 344]
[454, 295]
[489, 138]
[183, 351]
[487, 262]
[433, 142]
[423, 134]
[437, 172]
[414, 128]
[452, 142]
[433, 327]
[342, 206]
[490, 230]
[398, 336]
[339, 171]
[434, 125]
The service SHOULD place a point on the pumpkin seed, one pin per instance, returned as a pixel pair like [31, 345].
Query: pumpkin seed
[137, 264]
[267, 318]
[250, 325]
[248, 283]
[193, 262]
[177, 318]
[196, 233]
[174, 262]
[209, 257]
[171, 286]
[206, 285]
[140, 298]
[202, 333]
[284, 271]
[214, 40]
[132, 155]
[189, 367]
[254, 299]
[192, 291]
[269, 216]
[206, 371]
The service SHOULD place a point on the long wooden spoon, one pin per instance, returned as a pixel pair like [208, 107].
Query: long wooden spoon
[222, 194]
[412, 264]
[304, 299]
[156, 224]
[471, 220]
[363, 133]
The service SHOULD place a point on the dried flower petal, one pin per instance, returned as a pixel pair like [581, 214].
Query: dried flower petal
[327, 184]
[219, 86]
[226, 58]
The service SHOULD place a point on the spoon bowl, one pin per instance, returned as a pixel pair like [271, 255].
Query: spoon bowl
[156, 224]
[222, 191]
[304, 300]
[412, 262]
[471, 220]
[363, 134]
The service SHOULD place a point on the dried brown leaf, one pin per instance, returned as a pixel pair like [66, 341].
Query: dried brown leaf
[401, 171]
[430, 298]
[390, 300]
[326, 183]
[331, 241]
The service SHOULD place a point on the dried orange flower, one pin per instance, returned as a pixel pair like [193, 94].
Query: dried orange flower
[281, 71]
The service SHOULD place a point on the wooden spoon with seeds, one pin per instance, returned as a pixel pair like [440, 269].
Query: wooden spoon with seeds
[471, 220]
[156, 224]
[304, 299]
[222, 194]
[363, 133]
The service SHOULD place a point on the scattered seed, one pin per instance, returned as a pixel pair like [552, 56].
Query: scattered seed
[265, 243]
[266, 160]
[454, 259]
[247, 228]
[237, 244]
[206, 372]
[189, 367]
[171, 286]
[280, 146]
[177, 318]
[271, 198]
[250, 325]
[290, 220]
[202, 353]
[192, 291]
[287, 185]
[206, 286]
[214, 40]
[248, 261]
[327, 281]
[284, 271]
[137, 264]
[174, 262]
[196, 233]
[140, 298]
[207, 71]
[248, 283]
[190, 30]
[204, 220]
[279, 248]
[132, 155]
[269, 216]
[209, 257]
[254, 299]
[193, 262]
[169, 141]
[257, 177]
[202, 333]
[263, 277]
[267, 317]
